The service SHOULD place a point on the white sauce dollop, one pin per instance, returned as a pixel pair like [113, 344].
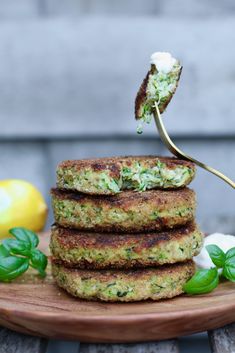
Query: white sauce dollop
[225, 242]
[163, 61]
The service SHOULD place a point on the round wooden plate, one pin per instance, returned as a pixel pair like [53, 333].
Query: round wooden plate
[38, 307]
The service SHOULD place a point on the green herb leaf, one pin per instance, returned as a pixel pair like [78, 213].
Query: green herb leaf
[229, 271]
[230, 253]
[26, 236]
[229, 266]
[3, 251]
[16, 255]
[12, 267]
[16, 247]
[204, 281]
[38, 261]
[216, 254]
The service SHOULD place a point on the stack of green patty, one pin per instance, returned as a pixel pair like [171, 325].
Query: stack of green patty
[124, 228]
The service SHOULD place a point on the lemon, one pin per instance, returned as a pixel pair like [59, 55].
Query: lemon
[21, 205]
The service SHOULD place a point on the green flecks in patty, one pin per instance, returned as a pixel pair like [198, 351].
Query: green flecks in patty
[154, 215]
[163, 256]
[138, 176]
[141, 178]
[161, 85]
[109, 183]
[179, 213]
[129, 253]
[121, 294]
[150, 283]
[88, 180]
[111, 284]
[117, 215]
[160, 88]
[184, 211]
[90, 287]
[143, 252]
[157, 287]
[72, 215]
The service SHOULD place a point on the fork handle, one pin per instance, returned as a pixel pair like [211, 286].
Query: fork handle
[178, 153]
[181, 154]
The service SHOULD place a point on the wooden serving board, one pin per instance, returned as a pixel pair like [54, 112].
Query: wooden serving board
[39, 307]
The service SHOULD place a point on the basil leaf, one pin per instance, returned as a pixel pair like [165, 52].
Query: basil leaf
[38, 261]
[229, 272]
[26, 236]
[16, 247]
[204, 281]
[216, 254]
[12, 267]
[3, 251]
[24, 245]
[229, 269]
[229, 266]
[230, 253]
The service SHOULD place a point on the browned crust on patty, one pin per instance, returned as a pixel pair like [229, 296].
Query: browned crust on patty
[121, 266]
[106, 275]
[124, 286]
[141, 95]
[127, 198]
[141, 244]
[114, 163]
[139, 205]
[71, 238]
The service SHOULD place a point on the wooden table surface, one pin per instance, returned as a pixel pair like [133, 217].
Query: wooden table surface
[34, 306]
[221, 340]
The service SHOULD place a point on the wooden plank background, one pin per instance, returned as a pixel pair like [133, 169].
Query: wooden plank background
[69, 72]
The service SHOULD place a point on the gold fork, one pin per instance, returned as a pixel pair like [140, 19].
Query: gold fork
[178, 153]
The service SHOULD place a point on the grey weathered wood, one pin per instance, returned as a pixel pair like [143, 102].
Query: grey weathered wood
[222, 340]
[59, 346]
[170, 346]
[15, 9]
[195, 8]
[102, 7]
[13, 342]
[130, 8]
[25, 161]
[79, 80]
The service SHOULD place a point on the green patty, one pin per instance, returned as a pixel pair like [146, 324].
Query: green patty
[112, 175]
[99, 251]
[125, 286]
[125, 212]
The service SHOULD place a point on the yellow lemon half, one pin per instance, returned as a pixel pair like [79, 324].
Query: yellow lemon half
[21, 205]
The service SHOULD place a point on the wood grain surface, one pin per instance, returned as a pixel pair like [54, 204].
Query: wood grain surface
[170, 346]
[13, 342]
[39, 307]
[222, 339]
